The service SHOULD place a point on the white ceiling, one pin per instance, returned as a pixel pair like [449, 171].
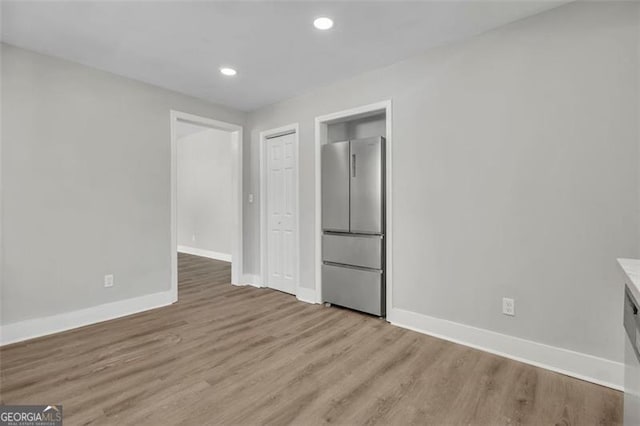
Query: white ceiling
[180, 45]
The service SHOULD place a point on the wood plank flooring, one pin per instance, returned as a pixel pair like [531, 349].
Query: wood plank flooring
[243, 356]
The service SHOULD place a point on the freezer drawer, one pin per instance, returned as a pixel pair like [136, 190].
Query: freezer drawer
[335, 186]
[358, 250]
[358, 289]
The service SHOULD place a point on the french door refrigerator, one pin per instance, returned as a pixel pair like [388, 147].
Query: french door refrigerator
[353, 224]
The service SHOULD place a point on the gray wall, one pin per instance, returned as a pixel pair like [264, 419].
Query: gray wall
[515, 173]
[358, 128]
[205, 216]
[85, 174]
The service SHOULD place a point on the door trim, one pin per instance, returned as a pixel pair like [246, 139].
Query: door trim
[321, 123]
[236, 197]
[264, 135]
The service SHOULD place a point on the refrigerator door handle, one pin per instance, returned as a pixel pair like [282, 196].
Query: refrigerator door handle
[353, 165]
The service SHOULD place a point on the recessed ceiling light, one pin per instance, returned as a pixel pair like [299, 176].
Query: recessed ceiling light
[228, 71]
[323, 23]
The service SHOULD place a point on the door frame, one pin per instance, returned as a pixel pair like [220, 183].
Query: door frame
[321, 124]
[236, 197]
[264, 135]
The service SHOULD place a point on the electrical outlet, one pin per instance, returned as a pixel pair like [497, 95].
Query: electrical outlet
[508, 306]
[250, 198]
[108, 280]
[193, 238]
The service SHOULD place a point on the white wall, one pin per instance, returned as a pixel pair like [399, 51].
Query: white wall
[205, 218]
[86, 184]
[515, 173]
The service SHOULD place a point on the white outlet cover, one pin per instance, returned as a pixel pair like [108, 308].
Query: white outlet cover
[508, 306]
[108, 280]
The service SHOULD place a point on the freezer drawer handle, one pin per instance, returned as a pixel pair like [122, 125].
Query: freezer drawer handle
[358, 268]
[353, 164]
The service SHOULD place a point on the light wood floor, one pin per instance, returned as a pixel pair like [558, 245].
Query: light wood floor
[241, 355]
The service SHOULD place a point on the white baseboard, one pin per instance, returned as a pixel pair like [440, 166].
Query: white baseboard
[303, 294]
[252, 280]
[307, 295]
[37, 327]
[205, 253]
[582, 366]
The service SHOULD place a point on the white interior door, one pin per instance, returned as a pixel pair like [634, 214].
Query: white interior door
[281, 213]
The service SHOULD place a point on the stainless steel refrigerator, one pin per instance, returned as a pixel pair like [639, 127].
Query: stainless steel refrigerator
[353, 224]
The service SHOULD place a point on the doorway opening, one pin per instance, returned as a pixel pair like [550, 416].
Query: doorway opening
[206, 192]
[357, 123]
